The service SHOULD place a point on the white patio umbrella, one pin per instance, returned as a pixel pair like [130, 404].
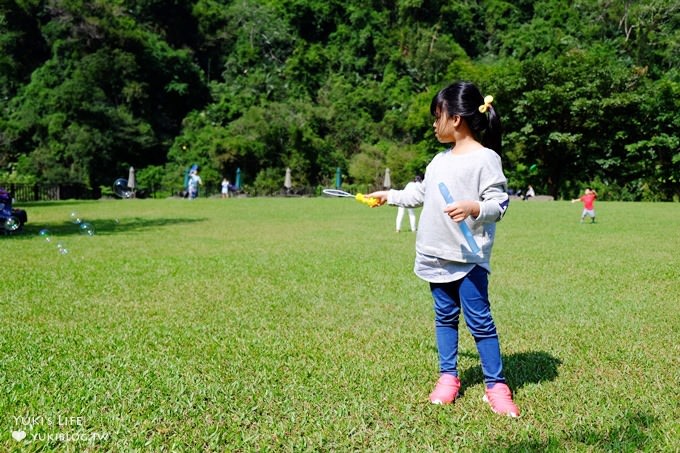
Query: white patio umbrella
[387, 182]
[132, 184]
[288, 182]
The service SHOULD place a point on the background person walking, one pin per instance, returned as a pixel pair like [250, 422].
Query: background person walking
[194, 182]
[411, 211]
[225, 188]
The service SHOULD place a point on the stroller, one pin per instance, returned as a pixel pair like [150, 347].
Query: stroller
[11, 220]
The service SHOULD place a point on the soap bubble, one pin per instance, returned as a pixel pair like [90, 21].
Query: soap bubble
[75, 218]
[121, 189]
[61, 249]
[45, 234]
[86, 229]
[12, 224]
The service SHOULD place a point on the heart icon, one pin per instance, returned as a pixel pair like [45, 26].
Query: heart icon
[19, 435]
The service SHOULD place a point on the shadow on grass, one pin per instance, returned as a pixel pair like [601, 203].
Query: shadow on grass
[101, 227]
[50, 204]
[520, 369]
[632, 432]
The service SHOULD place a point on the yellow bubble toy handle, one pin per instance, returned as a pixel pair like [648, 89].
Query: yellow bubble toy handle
[368, 201]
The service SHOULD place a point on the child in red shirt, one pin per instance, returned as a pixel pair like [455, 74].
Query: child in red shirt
[588, 200]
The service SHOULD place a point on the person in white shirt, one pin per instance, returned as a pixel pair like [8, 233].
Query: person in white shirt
[411, 211]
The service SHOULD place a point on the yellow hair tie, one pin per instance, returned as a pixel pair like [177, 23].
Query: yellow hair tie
[487, 104]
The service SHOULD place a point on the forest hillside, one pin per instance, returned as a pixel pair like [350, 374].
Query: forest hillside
[588, 90]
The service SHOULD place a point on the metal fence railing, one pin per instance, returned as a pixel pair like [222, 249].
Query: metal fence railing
[54, 192]
[48, 192]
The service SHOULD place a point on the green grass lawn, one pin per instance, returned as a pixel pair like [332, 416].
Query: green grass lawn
[298, 324]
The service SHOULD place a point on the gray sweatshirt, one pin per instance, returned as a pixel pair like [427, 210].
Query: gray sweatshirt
[476, 175]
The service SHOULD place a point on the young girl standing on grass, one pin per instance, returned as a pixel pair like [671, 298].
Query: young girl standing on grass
[458, 277]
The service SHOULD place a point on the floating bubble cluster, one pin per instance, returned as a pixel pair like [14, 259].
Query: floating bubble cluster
[84, 228]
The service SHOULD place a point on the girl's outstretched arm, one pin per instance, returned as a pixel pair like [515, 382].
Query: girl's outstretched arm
[380, 195]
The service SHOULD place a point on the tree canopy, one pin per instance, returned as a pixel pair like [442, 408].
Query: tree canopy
[588, 90]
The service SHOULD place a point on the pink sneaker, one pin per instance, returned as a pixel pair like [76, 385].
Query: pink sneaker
[499, 398]
[446, 389]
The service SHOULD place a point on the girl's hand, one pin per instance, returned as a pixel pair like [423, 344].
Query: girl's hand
[461, 210]
[380, 195]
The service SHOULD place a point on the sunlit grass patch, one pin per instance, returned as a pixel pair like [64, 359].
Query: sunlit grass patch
[297, 324]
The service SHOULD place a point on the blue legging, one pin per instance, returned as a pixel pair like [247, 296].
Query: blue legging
[470, 293]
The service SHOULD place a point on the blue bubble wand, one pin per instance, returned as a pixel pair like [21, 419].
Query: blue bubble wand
[464, 228]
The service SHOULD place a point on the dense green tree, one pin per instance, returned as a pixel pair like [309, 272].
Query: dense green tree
[22, 47]
[110, 95]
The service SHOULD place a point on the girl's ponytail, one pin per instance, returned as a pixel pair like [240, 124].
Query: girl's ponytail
[491, 138]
